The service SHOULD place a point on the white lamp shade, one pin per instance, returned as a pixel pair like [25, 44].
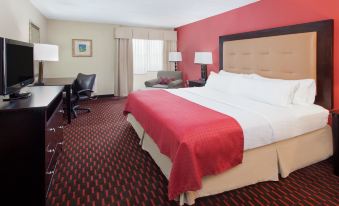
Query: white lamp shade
[203, 58]
[46, 52]
[174, 57]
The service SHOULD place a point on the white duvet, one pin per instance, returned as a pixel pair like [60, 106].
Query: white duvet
[261, 123]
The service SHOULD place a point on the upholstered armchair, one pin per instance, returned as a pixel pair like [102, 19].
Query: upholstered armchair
[166, 80]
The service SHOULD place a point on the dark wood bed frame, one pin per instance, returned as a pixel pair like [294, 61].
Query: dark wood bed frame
[324, 31]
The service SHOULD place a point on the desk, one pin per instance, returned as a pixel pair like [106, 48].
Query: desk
[67, 83]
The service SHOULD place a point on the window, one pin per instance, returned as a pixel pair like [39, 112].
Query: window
[147, 56]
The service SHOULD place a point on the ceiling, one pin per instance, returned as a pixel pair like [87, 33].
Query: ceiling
[150, 13]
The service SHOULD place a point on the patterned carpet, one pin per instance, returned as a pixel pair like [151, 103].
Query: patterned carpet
[102, 164]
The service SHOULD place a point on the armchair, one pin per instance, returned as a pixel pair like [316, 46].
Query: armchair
[176, 83]
[82, 90]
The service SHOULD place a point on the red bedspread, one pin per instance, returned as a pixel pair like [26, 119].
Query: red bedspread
[199, 141]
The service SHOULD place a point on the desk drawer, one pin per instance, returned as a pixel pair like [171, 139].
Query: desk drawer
[51, 166]
[53, 143]
[53, 135]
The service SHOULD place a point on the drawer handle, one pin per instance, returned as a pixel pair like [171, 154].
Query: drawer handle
[49, 150]
[60, 143]
[50, 172]
[51, 129]
[61, 111]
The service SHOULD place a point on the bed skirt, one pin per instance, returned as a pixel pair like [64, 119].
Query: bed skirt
[259, 164]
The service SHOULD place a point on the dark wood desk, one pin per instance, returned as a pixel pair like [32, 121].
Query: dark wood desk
[30, 144]
[67, 83]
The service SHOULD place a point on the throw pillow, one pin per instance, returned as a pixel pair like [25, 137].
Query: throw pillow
[166, 80]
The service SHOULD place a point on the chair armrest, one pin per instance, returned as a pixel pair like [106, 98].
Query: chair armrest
[152, 82]
[82, 91]
[175, 84]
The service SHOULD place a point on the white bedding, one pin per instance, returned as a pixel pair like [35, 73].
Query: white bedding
[262, 123]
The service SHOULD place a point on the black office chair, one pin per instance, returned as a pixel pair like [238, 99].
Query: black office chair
[82, 90]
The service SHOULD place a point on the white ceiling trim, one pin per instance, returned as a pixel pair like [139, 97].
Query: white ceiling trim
[150, 13]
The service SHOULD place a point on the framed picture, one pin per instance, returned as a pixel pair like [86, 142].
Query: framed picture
[34, 33]
[34, 37]
[81, 48]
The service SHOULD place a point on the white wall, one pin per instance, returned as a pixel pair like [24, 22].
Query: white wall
[15, 16]
[101, 63]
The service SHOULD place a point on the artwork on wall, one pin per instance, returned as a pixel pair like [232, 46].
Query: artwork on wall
[34, 37]
[81, 48]
[34, 33]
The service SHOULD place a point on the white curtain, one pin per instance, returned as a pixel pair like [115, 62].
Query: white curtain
[123, 73]
[169, 46]
[147, 56]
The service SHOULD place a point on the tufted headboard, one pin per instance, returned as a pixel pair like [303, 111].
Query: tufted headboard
[293, 52]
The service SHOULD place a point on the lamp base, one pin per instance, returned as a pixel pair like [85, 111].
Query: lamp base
[204, 72]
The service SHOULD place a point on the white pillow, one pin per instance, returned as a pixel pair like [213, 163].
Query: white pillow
[212, 81]
[270, 92]
[219, 83]
[305, 93]
[224, 73]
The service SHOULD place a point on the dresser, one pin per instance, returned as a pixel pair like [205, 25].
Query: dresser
[31, 139]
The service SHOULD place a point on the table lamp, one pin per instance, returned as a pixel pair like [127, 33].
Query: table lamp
[44, 52]
[203, 58]
[175, 57]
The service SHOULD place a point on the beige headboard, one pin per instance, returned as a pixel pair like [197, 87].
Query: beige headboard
[290, 52]
[291, 56]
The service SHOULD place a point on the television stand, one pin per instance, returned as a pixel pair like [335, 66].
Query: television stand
[31, 141]
[17, 96]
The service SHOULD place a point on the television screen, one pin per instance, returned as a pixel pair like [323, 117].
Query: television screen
[19, 64]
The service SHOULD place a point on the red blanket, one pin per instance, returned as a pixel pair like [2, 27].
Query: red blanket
[199, 141]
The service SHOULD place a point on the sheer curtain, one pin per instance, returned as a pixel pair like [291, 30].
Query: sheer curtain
[147, 56]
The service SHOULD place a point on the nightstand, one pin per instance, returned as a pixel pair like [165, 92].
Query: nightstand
[335, 129]
[196, 83]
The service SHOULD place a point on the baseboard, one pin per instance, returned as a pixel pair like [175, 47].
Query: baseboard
[112, 96]
[104, 95]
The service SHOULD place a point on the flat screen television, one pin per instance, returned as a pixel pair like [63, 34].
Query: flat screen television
[16, 67]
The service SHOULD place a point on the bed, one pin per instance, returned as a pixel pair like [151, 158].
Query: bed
[302, 51]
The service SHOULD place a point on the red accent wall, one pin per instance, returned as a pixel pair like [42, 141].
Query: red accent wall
[204, 35]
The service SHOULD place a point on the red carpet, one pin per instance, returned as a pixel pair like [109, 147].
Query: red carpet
[102, 164]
